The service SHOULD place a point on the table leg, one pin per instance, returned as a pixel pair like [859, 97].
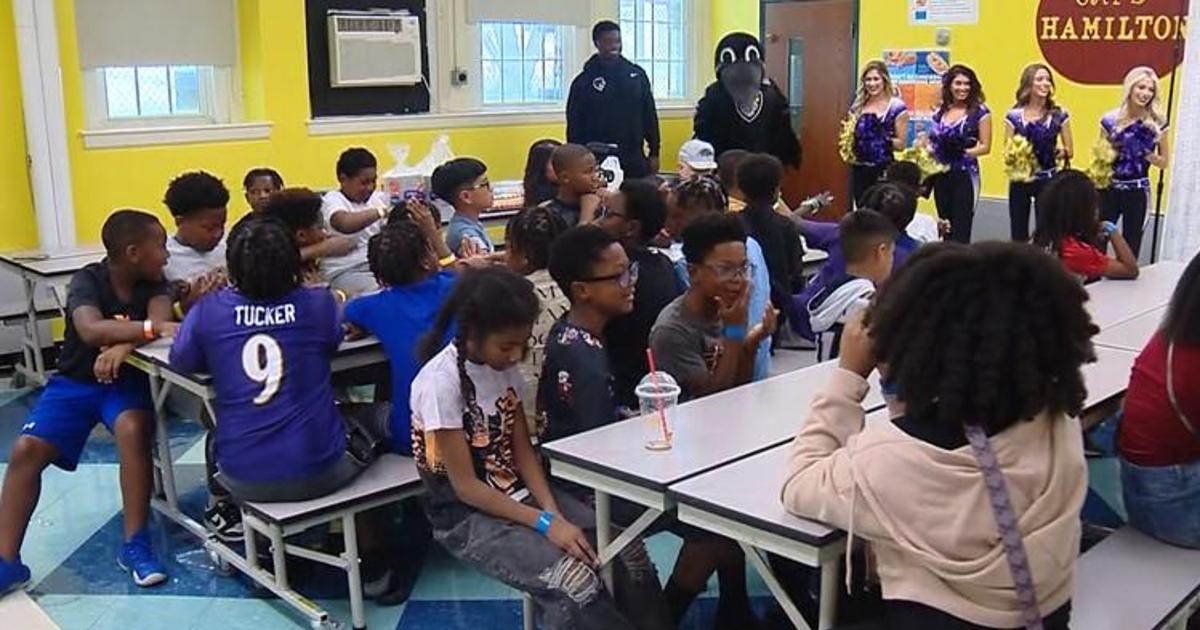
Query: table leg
[527, 621]
[604, 534]
[35, 369]
[768, 578]
[353, 573]
[158, 394]
[829, 593]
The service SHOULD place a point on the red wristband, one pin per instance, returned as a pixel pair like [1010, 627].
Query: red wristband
[148, 330]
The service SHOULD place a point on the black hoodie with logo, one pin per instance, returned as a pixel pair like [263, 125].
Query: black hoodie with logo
[614, 103]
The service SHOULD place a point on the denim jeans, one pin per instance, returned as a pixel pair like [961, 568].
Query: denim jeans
[567, 593]
[1164, 501]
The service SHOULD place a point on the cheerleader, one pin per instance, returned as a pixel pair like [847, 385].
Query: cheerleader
[961, 133]
[1041, 122]
[880, 126]
[1137, 131]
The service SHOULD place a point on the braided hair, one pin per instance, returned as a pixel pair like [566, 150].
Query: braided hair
[701, 190]
[482, 303]
[986, 334]
[1067, 207]
[400, 254]
[531, 232]
[263, 258]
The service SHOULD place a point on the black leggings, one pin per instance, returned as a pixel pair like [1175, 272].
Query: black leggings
[954, 196]
[862, 178]
[1130, 207]
[1021, 197]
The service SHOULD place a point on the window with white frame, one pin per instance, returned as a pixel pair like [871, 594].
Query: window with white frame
[522, 63]
[153, 91]
[655, 36]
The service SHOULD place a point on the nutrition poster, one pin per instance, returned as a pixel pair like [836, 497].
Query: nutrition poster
[917, 73]
[928, 12]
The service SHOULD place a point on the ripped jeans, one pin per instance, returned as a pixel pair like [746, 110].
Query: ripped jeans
[566, 592]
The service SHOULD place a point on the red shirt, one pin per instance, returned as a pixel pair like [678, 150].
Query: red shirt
[1151, 433]
[1082, 258]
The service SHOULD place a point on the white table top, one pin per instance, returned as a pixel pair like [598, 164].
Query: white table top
[709, 432]
[1108, 377]
[1115, 301]
[1132, 334]
[50, 264]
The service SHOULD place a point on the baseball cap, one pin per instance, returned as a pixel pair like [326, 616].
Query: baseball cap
[698, 155]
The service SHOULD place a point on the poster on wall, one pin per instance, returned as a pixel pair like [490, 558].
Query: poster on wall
[917, 73]
[941, 12]
[1073, 35]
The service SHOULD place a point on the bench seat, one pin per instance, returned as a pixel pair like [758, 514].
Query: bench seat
[1131, 581]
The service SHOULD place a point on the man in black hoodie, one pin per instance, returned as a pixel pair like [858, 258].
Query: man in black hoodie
[611, 102]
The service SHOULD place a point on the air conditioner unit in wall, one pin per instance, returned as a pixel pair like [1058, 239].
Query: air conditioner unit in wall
[374, 48]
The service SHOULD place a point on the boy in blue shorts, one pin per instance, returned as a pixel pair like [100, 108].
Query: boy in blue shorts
[112, 307]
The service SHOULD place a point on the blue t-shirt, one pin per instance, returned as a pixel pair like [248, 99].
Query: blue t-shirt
[760, 295]
[269, 361]
[462, 226]
[399, 317]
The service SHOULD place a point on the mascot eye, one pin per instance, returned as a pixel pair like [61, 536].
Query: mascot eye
[728, 56]
[753, 54]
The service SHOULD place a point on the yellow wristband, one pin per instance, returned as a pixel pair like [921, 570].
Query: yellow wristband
[448, 260]
[178, 309]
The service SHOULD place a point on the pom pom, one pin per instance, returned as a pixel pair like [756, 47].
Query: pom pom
[1020, 163]
[923, 158]
[846, 139]
[1103, 158]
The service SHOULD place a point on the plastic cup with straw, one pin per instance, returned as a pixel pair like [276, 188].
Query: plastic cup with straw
[656, 394]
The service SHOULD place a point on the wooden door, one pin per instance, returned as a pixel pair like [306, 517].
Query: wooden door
[810, 55]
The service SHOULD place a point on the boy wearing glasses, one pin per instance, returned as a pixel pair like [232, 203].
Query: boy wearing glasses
[463, 183]
[702, 338]
[575, 392]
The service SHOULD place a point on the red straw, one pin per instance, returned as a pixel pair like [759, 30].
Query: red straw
[662, 413]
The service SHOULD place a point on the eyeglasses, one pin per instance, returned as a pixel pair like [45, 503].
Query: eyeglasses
[731, 272]
[625, 279]
[483, 184]
[605, 212]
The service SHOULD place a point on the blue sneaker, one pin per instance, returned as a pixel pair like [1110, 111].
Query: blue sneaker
[137, 557]
[13, 576]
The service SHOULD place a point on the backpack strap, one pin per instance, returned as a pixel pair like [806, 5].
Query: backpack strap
[1006, 521]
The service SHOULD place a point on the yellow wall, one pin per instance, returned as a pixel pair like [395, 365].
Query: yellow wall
[998, 48]
[16, 201]
[734, 15]
[276, 84]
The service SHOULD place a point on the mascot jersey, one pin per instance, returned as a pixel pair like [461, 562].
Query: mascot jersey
[744, 109]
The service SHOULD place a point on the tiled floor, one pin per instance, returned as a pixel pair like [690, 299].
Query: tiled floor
[72, 541]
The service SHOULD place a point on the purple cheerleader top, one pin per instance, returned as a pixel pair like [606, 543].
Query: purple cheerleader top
[873, 135]
[1043, 135]
[950, 141]
[1134, 143]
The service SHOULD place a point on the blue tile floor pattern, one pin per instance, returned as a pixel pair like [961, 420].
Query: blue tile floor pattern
[72, 540]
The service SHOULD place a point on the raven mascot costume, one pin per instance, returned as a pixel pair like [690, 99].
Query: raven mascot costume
[744, 109]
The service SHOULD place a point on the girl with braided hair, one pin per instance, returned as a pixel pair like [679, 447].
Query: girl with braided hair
[489, 500]
[981, 459]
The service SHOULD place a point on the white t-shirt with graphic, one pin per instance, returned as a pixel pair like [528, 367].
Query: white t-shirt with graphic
[437, 404]
[334, 202]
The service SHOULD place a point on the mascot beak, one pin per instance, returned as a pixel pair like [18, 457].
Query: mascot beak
[740, 69]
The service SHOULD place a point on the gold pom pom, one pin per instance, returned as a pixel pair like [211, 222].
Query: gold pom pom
[923, 158]
[1020, 163]
[846, 139]
[1104, 155]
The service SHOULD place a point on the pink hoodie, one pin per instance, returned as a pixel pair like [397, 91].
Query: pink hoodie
[926, 511]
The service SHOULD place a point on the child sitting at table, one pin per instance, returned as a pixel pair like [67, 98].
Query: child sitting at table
[356, 209]
[198, 201]
[867, 239]
[112, 306]
[539, 184]
[1069, 226]
[488, 497]
[258, 186]
[527, 240]
[463, 183]
[579, 183]
[300, 210]
[982, 458]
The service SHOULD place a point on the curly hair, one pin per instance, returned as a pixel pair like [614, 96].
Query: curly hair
[986, 334]
[1067, 207]
[195, 190]
[700, 190]
[297, 208]
[263, 258]
[532, 231]
[398, 254]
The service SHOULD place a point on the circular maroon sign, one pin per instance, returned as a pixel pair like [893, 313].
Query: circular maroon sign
[1098, 41]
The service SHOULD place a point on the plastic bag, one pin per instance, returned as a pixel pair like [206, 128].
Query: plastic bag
[406, 181]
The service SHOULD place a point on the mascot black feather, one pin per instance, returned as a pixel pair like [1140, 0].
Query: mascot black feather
[744, 109]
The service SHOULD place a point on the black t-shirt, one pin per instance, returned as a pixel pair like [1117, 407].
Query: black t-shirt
[567, 212]
[628, 336]
[92, 286]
